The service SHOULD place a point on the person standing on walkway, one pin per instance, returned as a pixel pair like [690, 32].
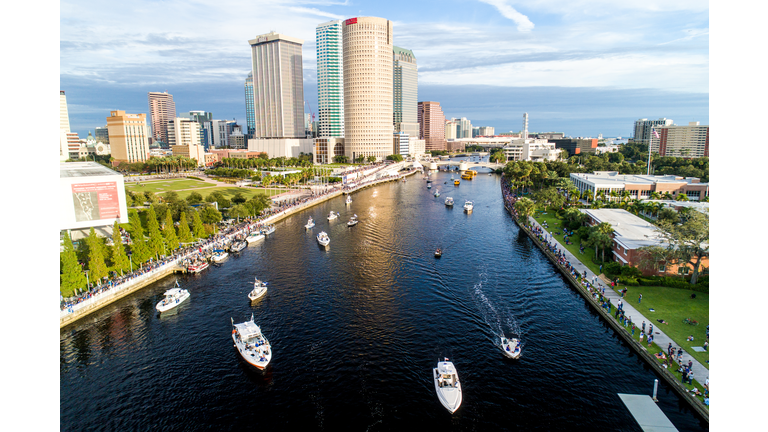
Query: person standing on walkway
[643, 327]
[650, 328]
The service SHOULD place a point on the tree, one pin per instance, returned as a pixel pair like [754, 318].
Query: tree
[139, 249]
[257, 204]
[341, 159]
[395, 157]
[238, 211]
[120, 260]
[239, 198]
[169, 233]
[600, 237]
[194, 198]
[198, 230]
[689, 241]
[170, 197]
[360, 159]
[185, 236]
[525, 208]
[667, 215]
[71, 273]
[371, 159]
[155, 243]
[210, 215]
[97, 266]
[652, 256]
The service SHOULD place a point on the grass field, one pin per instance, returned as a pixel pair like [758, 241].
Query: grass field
[185, 187]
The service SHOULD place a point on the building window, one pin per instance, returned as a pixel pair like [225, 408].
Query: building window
[683, 270]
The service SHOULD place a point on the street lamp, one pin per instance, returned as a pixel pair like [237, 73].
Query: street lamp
[87, 282]
[130, 257]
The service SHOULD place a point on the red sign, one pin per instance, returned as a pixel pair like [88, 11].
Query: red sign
[94, 201]
[350, 21]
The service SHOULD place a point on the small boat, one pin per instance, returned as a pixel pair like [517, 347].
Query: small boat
[197, 267]
[323, 239]
[449, 201]
[490, 174]
[447, 385]
[437, 193]
[219, 255]
[438, 253]
[267, 230]
[310, 223]
[456, 182]
[349, 199]
[429, 185]
[238, 245]
[259, 289]
[173, 298]
[251, 343]
[332, 215]
[352, 221]
[511, 347]
[255, 236]
[468, 206]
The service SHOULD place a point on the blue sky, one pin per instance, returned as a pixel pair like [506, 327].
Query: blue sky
[581, 67]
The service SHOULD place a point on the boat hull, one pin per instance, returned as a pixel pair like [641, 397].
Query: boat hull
[251, 355]
[258, 295]
[252, 239]
[449, 397]
[511, 343]
[164, 308]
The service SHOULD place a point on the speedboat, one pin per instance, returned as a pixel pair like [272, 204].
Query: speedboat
[449, 201]
[310, 223]
[332, 215]
[468, 206]
[511, 347]
[456, 182]
[323, 239]
[352, 221]
[173, 298]
[437, 193]
[447, 385]
[267, 230]
[438, 253]
[429, 185]
[238, 245]
[197, 267]
[251, 344]
[219, 255]
[255, 236]
[259, 289]
[349, 199]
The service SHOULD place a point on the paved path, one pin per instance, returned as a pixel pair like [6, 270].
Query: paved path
[700, 373]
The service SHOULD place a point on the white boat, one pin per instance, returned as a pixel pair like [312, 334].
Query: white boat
[197, 267]
[310, 223]
[238, 245]
[447, 385]
[173, 298]
[259, 289]
[437, 193]
[352, 221]
[449, 201]
[468, 206]
[332, 215]
[255, 236]
[267, 230]
[219, 255]
[251, 344]
[323, 239]
[349, 199]
[511, 347]
[429, 185]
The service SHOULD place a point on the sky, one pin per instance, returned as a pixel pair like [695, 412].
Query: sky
[581, 67]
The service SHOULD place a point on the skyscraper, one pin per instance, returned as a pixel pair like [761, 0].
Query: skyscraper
[278, 86]
[162, 109]
[200, 117]
[128, 137]
[330, 79]
[63, 127]
[405, 95]
[250, 109]
[368, 87]
[432, 126]
[643, 131]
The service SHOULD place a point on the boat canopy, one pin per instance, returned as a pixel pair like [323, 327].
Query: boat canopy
[248, 329]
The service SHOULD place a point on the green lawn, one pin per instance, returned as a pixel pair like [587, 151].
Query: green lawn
[230, 191]
[160, 186]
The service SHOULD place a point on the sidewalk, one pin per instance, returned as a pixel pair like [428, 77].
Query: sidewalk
[700, 373]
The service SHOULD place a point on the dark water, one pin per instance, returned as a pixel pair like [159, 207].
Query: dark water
[357, 328]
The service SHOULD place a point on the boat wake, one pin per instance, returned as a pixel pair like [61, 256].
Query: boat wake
[499, 318]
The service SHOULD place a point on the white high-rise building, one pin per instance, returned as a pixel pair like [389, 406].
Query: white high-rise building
[183, 131]
[330, 79]
[63, 127]
[368, 106]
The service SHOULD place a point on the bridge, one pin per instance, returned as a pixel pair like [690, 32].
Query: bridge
[469, 165]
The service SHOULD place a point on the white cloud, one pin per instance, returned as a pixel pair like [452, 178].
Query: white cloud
[522, 21]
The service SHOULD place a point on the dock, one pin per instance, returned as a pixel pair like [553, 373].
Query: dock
[647, 414]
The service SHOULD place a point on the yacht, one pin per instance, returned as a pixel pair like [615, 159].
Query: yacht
[511, 347]
[310, 223]
[449, 201]
[238, 245]
[468, 206]
[219, 255]
[447, 385]
[173, 298]
[332, 215]
[349, 199]
[267, 230]
[251, 343]
[352, 221]
[323, 239]
[259, 289]
[255, 236]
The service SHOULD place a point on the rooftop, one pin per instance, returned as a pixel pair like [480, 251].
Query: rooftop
[84, 169]
[614, 177]
[629, 230]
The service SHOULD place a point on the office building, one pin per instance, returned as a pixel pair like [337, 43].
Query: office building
[405, 91]
[368, 106]
[638, 186]
[200, 117]
[162, 109]
[102, 134]
[643, 131]
[330, 79]
[129, 137]
[278, 87]
[63, 127]
[576, 146]
[431, 125]
[485, 131]
[250, 108]
[452, 127]
[183, 131]
[690, 141]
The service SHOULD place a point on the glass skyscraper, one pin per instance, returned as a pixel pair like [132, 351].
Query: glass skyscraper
[250, 110]
[405, 91]
[330, 79]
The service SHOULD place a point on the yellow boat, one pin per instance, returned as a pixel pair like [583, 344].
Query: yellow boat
[456, 182]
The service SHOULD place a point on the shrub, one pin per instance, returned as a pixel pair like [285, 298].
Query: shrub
[629, 280]
[629, 271]
[612, 269]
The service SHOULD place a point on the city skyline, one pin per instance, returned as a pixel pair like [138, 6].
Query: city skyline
[583, 69]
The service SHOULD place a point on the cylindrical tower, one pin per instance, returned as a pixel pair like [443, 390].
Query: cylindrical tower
[525, 126]
[368, 87]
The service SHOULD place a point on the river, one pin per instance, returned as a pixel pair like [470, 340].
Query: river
[356, 329]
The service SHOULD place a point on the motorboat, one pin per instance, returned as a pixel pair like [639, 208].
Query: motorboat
[238, 245]
[511, 347]
[447, 385]
[352, 221]
[219, 255]
[468, 206]
[197, 267]
[173, 297]
[323, 239]
[255, 236]
[251, 343]
[449, 201]
[259, 289]
[310, 223]
[456, 182]
[349, 199]
[332, 215]
[438, 253]
[437, 193]
[267, 230]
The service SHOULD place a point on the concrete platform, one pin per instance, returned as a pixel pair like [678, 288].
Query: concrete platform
[647, 414]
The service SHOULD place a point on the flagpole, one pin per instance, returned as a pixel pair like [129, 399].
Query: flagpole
[650, 138]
